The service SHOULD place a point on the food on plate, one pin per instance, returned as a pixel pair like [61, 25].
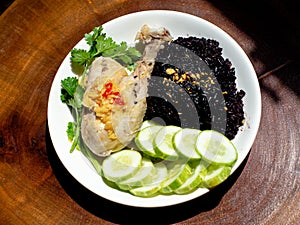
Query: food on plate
[216, 175]
[115, 101]
[184, 143]
[216, 156]
[194, 181]
[153, 187]
[216, 148]
[122, 165]
[163, 143]
[192, 74]
[117, 95]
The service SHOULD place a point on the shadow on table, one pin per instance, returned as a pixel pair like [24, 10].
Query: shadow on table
[122, 214]
[274, 26]
[4, 4]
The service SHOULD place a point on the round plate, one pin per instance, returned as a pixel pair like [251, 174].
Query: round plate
[124, 29]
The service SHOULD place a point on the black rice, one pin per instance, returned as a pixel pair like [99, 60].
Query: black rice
[191, 76]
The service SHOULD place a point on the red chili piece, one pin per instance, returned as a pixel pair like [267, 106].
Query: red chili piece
[108, 91]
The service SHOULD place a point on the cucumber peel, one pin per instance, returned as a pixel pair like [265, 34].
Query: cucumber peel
[216, 175]
[178, 174]
[193, 181]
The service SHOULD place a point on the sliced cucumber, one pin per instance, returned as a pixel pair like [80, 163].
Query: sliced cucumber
[216, 148]
[216, 175]
[121, 165]
[184, 142]
[177, 175]
[144, 139]
[152, 188]
[148, 123]
[141, 178]
[193, 181]
[145, 191]
[163, 143]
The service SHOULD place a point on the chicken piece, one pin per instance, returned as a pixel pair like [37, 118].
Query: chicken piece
[115, 101]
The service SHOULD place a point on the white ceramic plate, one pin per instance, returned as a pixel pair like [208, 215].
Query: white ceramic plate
[124, 29]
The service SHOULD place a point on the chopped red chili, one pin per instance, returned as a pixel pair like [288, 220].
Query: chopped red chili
[108, 90]
[115, 94]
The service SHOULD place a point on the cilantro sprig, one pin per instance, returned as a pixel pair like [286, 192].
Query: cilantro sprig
[101, 45]
[71, 94]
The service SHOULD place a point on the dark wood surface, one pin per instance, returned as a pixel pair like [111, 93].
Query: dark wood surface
[35, 188]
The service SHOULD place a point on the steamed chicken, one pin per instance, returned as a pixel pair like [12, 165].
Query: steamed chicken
[115, 101]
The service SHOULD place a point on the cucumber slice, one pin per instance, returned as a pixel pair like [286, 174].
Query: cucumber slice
[184, 142]
[163, 143]
[216, 148]
[152, 188]
[193, 181]
[141, 178]
[216, 175]
[178, 174]
[121, 165]
[145, 191]
[148, 123]
[144, 139]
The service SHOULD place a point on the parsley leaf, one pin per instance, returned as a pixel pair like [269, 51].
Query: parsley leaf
[71, 130]
[80, 56]
[101, 45]
[72, 94]
[123, 53]
[68, 88]
[91, 37]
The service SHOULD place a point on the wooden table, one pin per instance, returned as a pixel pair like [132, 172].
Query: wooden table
[35, 188]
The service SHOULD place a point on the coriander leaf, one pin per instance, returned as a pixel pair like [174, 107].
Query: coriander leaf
[116, 51]
[101, 45]
[71, 94]
[133, 53]
[104, 44]
[125, 59]
[93, 36]
[80, 56]
[123, 53]
[75, 102]
[93, 39]
[132, 67]
[68, 88]
[122, 47]
[71, 130]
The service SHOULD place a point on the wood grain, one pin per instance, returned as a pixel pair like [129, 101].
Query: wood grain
[35, 188]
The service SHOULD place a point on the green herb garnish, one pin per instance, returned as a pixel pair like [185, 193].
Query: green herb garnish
[71, 94]
[71, 130]
[101, 45]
